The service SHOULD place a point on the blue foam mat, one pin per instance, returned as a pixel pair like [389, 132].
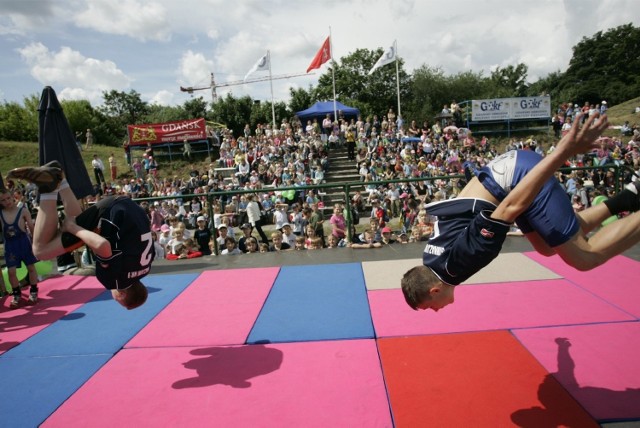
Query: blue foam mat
[102, 326]
[35, 387]
[307, 303]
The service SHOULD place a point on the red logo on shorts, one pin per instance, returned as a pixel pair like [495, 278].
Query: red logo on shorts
[486, 233]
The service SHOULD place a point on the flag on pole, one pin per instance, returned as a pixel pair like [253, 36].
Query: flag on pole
[323, 55]
[261, 65]
[387, 58]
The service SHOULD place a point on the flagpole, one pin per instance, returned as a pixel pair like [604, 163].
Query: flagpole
[395, 43]
[273, 108]
[333, 76]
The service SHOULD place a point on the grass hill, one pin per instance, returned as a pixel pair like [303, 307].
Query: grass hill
[16, 154]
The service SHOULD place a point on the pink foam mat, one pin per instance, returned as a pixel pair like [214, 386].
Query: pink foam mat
[617, 281]
[218, 308]
[57, 297]
[493, 307]
[597, 364]
[312, 384]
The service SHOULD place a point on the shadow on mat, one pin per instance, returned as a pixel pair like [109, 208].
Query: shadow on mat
[232, 366]
[555, 412]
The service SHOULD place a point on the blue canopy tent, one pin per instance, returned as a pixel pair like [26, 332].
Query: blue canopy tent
[322, 108]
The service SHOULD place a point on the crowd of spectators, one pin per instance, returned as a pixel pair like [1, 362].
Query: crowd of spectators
[260, 162]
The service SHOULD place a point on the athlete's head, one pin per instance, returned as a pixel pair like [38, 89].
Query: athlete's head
[422, 289]
[6, 198]
[131, 297]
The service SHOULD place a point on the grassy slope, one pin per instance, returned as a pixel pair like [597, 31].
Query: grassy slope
[20, 154]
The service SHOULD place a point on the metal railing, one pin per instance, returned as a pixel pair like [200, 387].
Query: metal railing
[345, 188]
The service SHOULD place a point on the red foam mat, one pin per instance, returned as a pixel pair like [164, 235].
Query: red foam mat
[597, 364]
[473, 379]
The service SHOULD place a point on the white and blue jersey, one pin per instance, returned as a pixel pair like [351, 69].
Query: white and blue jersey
[550, 214]
[465, 239]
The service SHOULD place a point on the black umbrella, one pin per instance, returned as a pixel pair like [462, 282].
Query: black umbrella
[57, 142]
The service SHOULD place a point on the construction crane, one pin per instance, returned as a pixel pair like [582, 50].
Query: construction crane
[213, 85]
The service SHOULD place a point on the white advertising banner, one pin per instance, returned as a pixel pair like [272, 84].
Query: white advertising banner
[511, 108]
[531, 108]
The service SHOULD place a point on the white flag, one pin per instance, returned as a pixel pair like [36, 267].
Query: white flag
[387, 58]
[261, 65]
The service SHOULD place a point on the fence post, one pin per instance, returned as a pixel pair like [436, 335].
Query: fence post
[213, 230]
[349, 219]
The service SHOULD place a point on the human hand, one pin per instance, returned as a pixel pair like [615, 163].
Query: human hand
[583, 139]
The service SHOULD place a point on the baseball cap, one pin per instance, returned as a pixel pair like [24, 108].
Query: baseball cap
[222, 226]
[285, 224]
[246, 226]
[201, 218]
[165, 228]
[386, 230]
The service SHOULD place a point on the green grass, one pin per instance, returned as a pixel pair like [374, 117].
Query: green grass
[16, 154]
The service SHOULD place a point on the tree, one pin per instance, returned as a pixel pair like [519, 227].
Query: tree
[234, 112]
[195, 108]
[604, 66]
[301, 99]
[127, 107]
[79, 113]
[119, 110]
[510, 81]
[159, 114]
[376, 93]
[12, 116]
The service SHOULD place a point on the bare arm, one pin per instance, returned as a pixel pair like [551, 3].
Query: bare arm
[28, 221]
[99, 245]
[577, 140]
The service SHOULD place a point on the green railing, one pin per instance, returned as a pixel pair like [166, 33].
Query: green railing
[346, 191]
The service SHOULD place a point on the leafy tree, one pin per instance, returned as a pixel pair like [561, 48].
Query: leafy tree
[79, 113]
[12, 118]
[301, 99]
[195, 108]
[377, 92]
[605, 66]
[159, 114]
[510, 81]
[127, 107]
[119, 110]
[234, 112]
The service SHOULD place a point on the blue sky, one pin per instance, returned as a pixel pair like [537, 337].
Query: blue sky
[84, 47]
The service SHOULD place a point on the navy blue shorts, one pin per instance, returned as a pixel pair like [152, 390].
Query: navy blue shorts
[550, 214]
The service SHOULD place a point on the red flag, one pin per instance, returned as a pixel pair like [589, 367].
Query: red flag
[323, 55]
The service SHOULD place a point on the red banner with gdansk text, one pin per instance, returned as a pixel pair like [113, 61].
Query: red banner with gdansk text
[168, 132]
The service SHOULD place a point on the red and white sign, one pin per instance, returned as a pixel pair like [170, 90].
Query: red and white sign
[168, 132]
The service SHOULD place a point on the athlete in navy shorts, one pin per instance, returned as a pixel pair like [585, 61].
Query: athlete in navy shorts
[116, 229]
[520, 187]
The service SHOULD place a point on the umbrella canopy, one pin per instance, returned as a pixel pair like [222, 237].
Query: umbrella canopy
[322, 108]
[57, 142]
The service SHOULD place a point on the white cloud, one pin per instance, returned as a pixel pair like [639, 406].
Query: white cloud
[80, 77]
[166, 43]
[163, 98]
[139, 20]
[195, 69]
